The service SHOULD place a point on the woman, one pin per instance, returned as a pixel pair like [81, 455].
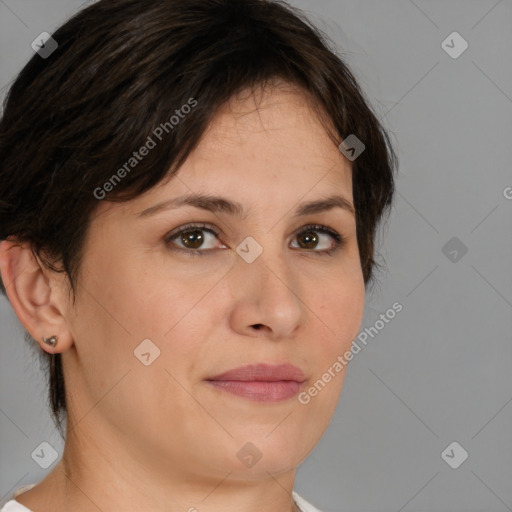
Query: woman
[189, 192]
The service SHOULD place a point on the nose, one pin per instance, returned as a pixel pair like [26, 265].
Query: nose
[267, 297]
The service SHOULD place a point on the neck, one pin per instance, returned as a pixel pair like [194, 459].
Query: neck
[90, 478]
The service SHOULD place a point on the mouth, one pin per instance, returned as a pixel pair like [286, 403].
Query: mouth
[261, 382]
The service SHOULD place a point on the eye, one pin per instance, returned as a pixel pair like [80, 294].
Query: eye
[192, 237]
[309, 238]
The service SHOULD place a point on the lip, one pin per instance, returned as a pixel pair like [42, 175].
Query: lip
[261, 382]
[262, 373]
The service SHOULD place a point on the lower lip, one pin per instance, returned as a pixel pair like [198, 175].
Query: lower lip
[259, 391]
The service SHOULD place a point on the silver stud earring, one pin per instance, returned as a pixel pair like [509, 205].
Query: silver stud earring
[52, 341]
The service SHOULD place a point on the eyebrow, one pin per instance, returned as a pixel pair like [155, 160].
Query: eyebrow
[221, 204]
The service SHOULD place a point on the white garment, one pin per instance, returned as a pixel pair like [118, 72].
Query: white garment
[304, 505]
[14, 506]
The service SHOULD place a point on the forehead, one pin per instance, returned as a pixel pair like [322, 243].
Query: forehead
[273, 132]
[281, 110]
[265, 146]
[269, 136]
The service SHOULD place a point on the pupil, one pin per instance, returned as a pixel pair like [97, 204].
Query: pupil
[195, 238]
[311, 236]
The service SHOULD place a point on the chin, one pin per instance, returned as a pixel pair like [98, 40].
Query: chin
[271, 452]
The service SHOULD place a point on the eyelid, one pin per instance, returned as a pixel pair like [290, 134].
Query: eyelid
[190, 226]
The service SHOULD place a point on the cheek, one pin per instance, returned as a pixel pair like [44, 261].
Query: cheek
[341, 307]
[146, 300]
[173, 309]
[339, 311]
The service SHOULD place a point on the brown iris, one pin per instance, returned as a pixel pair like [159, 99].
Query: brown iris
[310, 238]
[192, 239]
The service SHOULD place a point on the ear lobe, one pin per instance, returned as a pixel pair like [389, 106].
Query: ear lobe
[33, 295]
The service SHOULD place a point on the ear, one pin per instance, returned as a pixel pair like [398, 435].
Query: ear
[38, 296]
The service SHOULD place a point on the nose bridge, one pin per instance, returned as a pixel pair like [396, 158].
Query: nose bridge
[262, 254]
[269, 283]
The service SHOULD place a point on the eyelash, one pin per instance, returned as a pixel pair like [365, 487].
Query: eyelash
[339, 240]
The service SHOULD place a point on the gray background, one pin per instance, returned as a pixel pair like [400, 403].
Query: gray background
[440, 370]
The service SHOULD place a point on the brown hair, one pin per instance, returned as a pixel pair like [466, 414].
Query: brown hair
[121, 69]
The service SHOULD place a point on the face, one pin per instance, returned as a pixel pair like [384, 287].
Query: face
[230, 290]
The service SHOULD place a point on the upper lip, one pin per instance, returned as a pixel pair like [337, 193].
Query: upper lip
[263, 372]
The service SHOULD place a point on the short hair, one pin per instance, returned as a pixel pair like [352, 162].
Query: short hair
[121, 69]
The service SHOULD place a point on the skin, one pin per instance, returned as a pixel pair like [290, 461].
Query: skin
[159, 437]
